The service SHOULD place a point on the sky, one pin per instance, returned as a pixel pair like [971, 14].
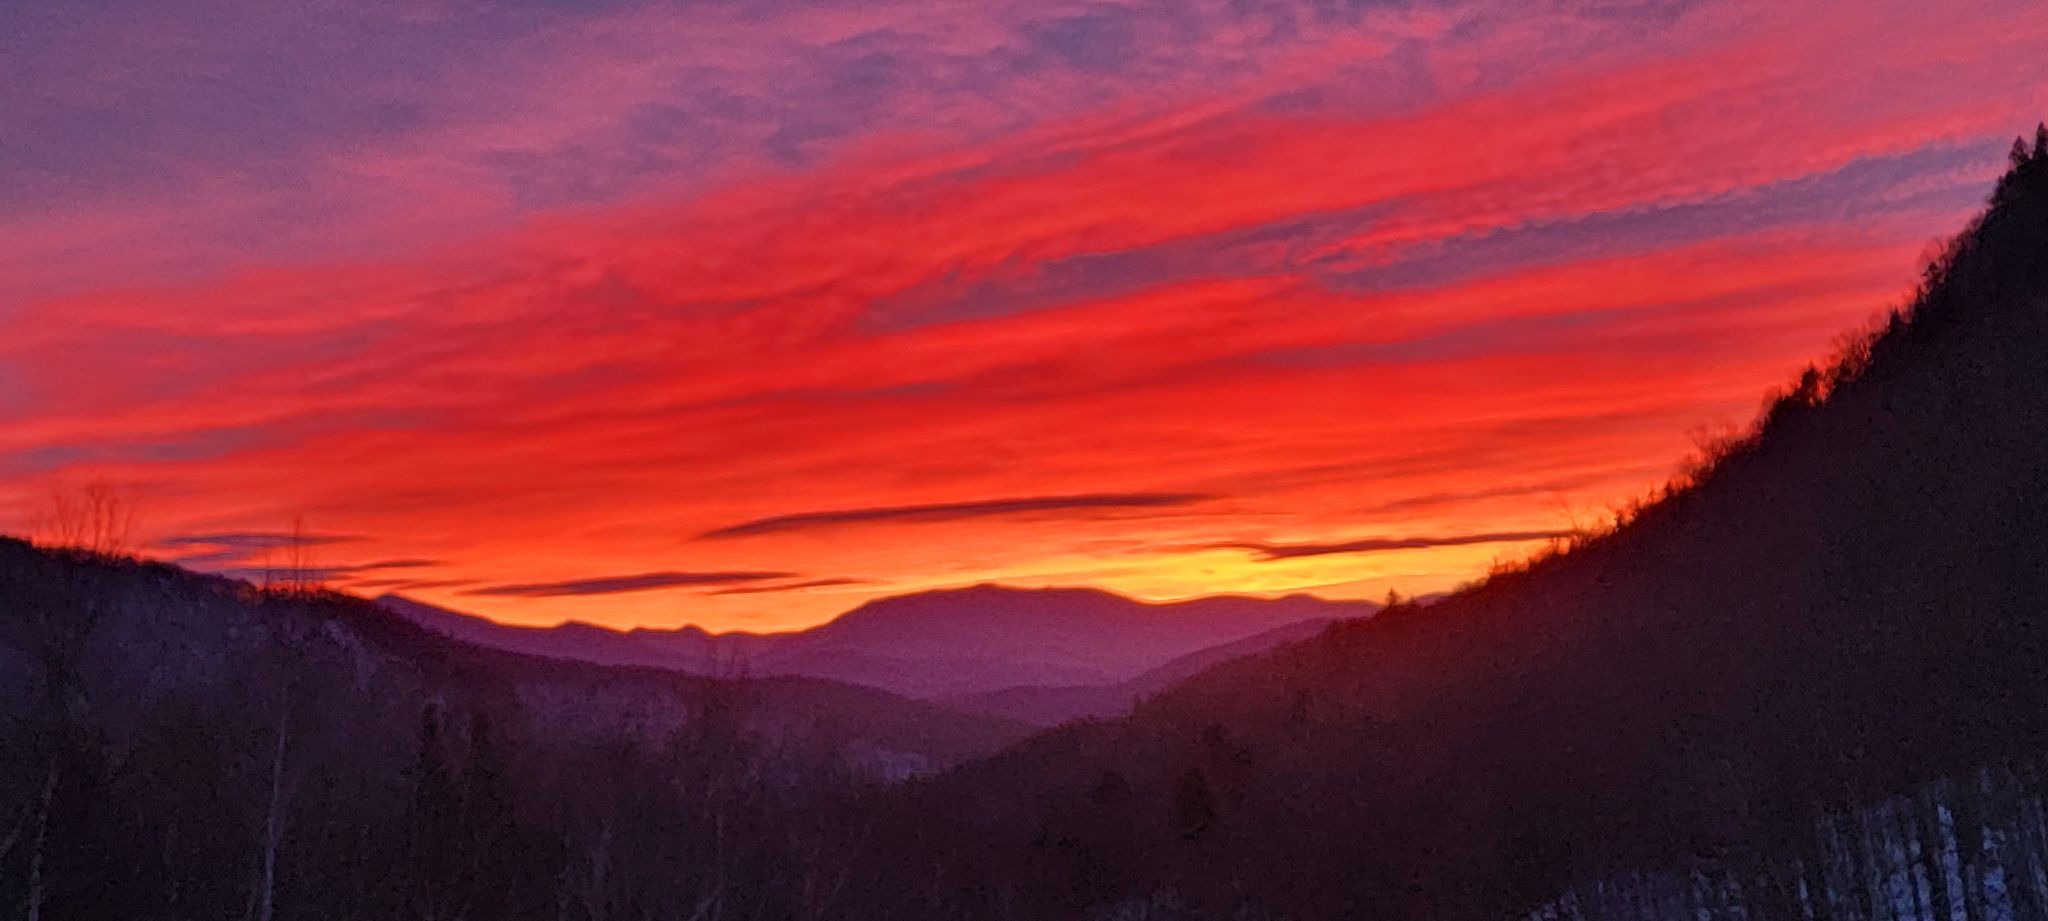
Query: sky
[741, 314]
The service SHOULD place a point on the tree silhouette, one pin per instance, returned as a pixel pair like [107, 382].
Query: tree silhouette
[97, 519]
[60, 619]
[435, 821]
[1194, 805]
[486, 815]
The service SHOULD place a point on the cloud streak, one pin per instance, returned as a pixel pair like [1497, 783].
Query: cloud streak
[1269, 552]
[253, 541]
[957, 511]
[790, 586]
[618, 585]
[345, 572]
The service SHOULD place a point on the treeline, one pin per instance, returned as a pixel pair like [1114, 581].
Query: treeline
[317, 762]
[201, 822]
[1972, 848]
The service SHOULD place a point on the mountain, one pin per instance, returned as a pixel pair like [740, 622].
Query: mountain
[1804, 681]
[150, 636]
[1050, 706]
[182, 745]
[688, 649]
[940, 644]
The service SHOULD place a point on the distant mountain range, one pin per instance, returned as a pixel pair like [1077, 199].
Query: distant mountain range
[1033, 654]
[156, 639]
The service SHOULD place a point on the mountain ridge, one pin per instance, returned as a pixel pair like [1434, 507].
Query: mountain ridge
[934, 644]
[145, 605]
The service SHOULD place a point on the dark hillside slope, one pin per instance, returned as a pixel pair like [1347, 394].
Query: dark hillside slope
[1847, 606]
[1050, 706]
[160, 632]
[184, 746]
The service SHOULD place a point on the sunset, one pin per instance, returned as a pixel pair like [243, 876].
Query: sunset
[1106, 296]
[1105, 459]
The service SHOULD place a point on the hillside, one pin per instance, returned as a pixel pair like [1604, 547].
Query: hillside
[174, 744]
[1050, 706]
[165, 634]
[1805, 682]
[932, 644]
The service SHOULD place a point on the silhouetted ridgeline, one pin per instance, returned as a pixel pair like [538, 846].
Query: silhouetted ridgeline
[1804, 684]
[954, 643]
[183, 746]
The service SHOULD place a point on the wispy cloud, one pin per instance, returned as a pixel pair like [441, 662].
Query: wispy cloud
[412, 584]
[335, 573]
[957, 511]
[560, 305]
[1558, 490]
[254, 541]
[615, 585]
[1272, 551]
[392, 564]
[788, 586]
[262, 555]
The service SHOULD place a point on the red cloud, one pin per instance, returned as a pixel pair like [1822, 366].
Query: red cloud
[1170, 299]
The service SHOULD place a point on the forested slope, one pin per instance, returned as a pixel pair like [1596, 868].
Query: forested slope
[1847, 606]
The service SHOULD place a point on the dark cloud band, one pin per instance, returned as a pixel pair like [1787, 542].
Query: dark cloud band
[1269, 552]
[254, 541]
[787, 586]
[615, 585]
[956, 511]
[333, 573]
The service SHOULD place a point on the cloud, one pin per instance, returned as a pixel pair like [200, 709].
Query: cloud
[614, 585]
[392, 564]
[1346, 264]
[1558, 490]
[247, 555]
[956, 511]
[788, 586]
[411, 584]
[255, 541]
[1267, 552]
[212, 552]
[336, 573]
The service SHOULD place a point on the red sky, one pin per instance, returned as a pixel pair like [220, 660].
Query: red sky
[663, 315]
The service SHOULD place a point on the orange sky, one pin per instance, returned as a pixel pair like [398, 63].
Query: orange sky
[1265, 301]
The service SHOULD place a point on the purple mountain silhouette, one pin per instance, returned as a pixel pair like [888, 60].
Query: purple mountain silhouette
[936, 644]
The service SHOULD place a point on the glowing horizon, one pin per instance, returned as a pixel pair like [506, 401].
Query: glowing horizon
[651, 317]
